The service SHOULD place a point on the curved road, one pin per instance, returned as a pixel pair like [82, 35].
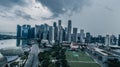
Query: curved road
[33, 57]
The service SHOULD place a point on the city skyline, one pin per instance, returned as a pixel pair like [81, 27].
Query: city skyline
[95, 16]
[59, 33]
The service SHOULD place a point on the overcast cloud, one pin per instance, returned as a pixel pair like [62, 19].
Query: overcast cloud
[95, 16]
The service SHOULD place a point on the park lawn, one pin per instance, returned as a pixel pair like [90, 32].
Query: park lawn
[79, 64]
[80, 59]
[78, 56]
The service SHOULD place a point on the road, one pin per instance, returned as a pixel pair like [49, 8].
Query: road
[35, 51]
[33, 57]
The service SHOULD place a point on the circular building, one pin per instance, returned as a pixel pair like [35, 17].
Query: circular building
[3, 60]
[12, 51]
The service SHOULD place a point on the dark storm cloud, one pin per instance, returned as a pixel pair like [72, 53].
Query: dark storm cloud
[11, 3]
[23, 15]
[61, 6]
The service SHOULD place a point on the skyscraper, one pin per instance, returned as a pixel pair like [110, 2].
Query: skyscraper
[61, 35]
[88, 37]
[60, 32]
[113, 40]
[45, 32]
[107, 40]
[82, 36]
[32, 32]
[54, 24]
[25, 31]
[37, 31]
[119, 40]
[51, 34]
[99, 39]
[65, 34]
[69, 31]
[55, 31]
[18, 31]
[74, 34]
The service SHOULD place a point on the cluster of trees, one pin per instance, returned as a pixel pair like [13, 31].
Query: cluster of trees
[55, 57]
[44, 58]
[14, 64]
[2, 37]
[113, 63]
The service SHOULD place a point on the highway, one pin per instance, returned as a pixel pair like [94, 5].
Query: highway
[33, 57]
[35, 51]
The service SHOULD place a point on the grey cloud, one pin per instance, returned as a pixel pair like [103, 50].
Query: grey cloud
[62, 6]
[8, 5]
[47, 18]
[108, 8]
[3, 14]
[11, 3]
[23, 15]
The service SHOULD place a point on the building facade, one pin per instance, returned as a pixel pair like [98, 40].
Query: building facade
[69, 31]
[74, 35]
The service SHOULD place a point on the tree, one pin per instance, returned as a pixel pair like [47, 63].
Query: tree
[113, 63]
[64, 63]
[57, 64]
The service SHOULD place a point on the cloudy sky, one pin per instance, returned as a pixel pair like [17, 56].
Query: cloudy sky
[95, 16]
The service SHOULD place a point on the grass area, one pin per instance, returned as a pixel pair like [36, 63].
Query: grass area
[80, 59]
[78, 64]
[78, 56]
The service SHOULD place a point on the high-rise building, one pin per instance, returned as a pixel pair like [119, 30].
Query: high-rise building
[74, 34]
[38, 31]
[82, 36]
[119, 40]
[18, 41]
[54, 24]
[61, 35]
[59, 23]
[51, 34]
[113, 40]
[25, 31]
[69, 31]
[18, 31]
[107, 40]
[45, 32]
[60, 31]
[88, 38]
[78, 38]
[32, 32]
[65, 34]
[99, 39]
[55, 31]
